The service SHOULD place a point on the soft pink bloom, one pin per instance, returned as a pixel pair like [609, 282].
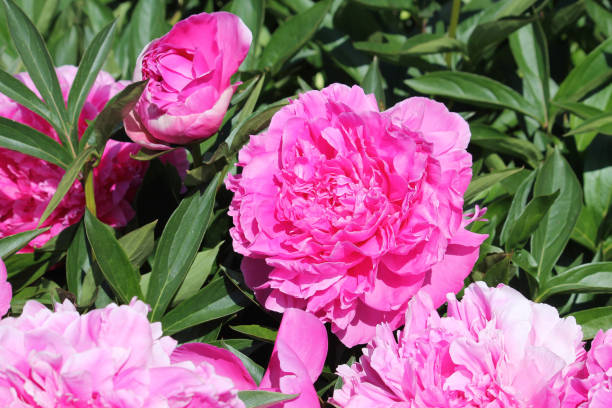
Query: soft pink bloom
[189, 89]
[111, 357]
[348, 212]
[494, 349]
[296, 362]
[592, 386]
[27, 183]
[6, 292]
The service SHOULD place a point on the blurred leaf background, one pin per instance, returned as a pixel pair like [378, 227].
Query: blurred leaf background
[533, 79]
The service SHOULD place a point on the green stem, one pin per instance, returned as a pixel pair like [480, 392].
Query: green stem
[196, 154]
[90, 200]
[452, 28]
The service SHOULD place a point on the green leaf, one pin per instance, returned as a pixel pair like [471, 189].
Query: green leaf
[251, 101]
[200, 270]
[35, 56]
[487, 36]
[601, 123]
[597, 176]
[530, 51]
[484, 182]
[595, 70]
[373, 82]
[495, 141]
[90, 65]
[261, 399]
[66, 182]
[17, 91]
[553, 233]
[505, 8]
[528, 221]
[148, 22]
[519, 202]
[178, 246]
[290, 37]
[601, 16]
[471, 88]
[420, 44]
[114, 263]
[139, 244]
[24, 139]
[252, 13]
[593, 320]
[593, 277]
[387, 4]
[13, 243]
[255, 370]
[581, 110]
[217, 299]
[78, 263]
[585, 231]
[257, 332]
[111, 117]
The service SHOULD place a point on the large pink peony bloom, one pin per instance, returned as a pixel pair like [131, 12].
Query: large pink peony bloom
[494, 349]
[296, 362]
[27, 183]
[111, 357]
[348, 212]
[592, 386]
[6, 292]
[189, 89]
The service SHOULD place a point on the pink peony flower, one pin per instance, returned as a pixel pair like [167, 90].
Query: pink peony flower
[189, 89]
[27, 183]
[494, 349]
[296, 362]
[348, 212]
[592, 386]
[6, 292]
[111, 357]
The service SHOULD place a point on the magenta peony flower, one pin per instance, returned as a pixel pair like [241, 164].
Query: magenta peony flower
[494, 349]
[6, 292]
[592, 386]
[27, 183]
[189, 89]
[296, 362]
[111, 357]
[348, 212]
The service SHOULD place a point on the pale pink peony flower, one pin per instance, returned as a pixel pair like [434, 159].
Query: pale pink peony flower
[296, 362]
[592, 386]
[111, 357]
[494, 349]
[27, 183]
[189, 89]
[6, 292]
[348, 212]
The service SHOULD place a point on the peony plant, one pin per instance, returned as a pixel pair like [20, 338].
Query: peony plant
[348, 212]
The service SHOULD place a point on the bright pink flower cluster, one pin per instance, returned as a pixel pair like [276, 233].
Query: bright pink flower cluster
[113, 357]
[189, 89]
[495, 348]
[347, 212]
[27, 183]
[592, 386]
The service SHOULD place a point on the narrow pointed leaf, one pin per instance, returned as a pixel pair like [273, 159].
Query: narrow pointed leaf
[114, 263]
[593, 320]
[24, 139]
[529, 220]
[13, 243]
[217, 299]
[35, 56]
[593, 277]
[89, 67]
[66, 182]
[472, 88]
[20, 93]
[601, 123]
[178, 246]
[484, 182]
[262, 399]
[495, 141]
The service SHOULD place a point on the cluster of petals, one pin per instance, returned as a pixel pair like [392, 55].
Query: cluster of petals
[28, 183]
[189, 71]
[495, 348]
[347, 212]
[592, 386]
[115, 358]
